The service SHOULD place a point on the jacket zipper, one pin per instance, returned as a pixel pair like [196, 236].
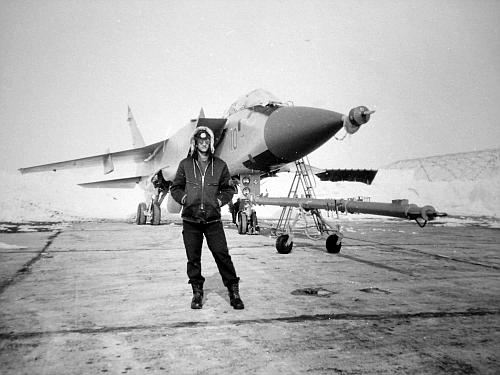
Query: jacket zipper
[202, 206]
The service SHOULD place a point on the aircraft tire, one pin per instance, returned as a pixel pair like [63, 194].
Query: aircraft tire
[331, 244]
[156, 218]
[242, 223]
[281, 244]
[140, 218]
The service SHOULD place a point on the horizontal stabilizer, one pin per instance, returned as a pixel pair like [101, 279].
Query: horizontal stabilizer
[137, 155]
[120, 183]
[365, 176]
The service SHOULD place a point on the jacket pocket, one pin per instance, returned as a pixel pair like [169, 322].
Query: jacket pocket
[211, 193]
[193, 193]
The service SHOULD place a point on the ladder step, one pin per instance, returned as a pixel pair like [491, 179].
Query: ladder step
[302, 177]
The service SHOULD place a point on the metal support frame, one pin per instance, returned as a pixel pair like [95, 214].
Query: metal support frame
[304, 180]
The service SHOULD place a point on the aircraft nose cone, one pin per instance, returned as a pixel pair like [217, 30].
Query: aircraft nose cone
[293, 132]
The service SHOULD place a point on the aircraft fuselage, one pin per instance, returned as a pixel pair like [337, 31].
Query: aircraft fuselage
[257, 136]
[263, 139]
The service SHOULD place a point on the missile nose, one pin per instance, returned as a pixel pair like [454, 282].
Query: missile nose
[291, 133]
[357, 117]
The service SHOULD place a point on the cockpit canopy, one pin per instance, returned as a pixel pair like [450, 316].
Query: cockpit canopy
[255, 98]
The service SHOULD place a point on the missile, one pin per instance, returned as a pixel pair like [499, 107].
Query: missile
[400, 208]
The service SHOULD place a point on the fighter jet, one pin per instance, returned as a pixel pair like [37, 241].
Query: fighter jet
[258, 136]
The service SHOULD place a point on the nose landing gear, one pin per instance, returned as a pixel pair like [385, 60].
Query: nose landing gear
[247, 223]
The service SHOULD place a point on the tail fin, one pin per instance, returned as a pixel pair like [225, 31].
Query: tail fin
[137, 140]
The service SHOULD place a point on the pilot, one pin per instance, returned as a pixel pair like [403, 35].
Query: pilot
[202, 187]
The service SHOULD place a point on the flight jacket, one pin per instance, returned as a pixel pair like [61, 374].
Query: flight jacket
[202, 189]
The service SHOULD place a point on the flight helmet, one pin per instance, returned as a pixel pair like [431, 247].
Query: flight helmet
[202, 132]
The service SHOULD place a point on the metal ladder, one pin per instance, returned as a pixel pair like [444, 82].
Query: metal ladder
[304, 179]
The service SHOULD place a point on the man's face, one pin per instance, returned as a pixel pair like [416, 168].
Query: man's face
[203, 145]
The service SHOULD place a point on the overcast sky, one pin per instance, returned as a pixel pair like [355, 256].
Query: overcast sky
[69, 69]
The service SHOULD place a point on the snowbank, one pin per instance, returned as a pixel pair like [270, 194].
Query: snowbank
[57, 197]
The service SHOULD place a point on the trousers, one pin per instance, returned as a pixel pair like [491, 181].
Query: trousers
[193, 234]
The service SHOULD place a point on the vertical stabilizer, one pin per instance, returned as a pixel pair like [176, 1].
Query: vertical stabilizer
[137, 140]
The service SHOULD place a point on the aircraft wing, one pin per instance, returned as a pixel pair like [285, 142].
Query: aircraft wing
[119, 183]
[136, 155]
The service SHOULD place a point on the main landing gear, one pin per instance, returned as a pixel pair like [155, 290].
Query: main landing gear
[148, 213]
[151, 212]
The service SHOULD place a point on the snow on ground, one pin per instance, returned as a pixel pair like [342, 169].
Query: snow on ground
[56, 197]
[5, 246]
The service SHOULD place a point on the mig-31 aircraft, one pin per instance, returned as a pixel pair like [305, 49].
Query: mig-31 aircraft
[258, 136]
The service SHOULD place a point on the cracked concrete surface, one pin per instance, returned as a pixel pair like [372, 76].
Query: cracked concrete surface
[113, 298]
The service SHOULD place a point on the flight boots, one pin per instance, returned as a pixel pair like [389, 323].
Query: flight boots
[196, 302]
[234, 297]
